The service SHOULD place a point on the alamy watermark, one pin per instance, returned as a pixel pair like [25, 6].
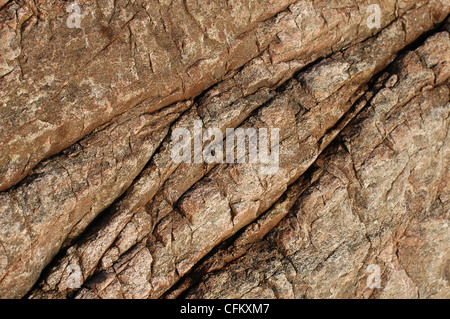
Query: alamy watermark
[374, 19]
[73, 273]
[247, 145]
[74, 19]
[374, 279]
[258, 151]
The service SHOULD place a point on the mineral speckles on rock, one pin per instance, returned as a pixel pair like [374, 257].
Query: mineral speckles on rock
[88, 182]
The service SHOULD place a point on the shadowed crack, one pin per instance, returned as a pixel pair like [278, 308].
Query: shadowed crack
[140, 226]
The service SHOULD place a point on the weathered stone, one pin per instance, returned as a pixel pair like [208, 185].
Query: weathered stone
[86, 172]
[363, 209]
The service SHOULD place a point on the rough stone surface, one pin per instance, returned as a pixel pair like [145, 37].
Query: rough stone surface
[87, 179]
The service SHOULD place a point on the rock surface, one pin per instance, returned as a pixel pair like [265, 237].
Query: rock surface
[88, 182]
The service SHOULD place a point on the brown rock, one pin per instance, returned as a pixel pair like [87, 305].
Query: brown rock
[86, 168]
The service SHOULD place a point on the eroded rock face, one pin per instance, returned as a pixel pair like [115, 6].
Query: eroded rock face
[87, 176]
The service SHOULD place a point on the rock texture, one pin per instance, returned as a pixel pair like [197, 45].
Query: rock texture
[87, 179]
